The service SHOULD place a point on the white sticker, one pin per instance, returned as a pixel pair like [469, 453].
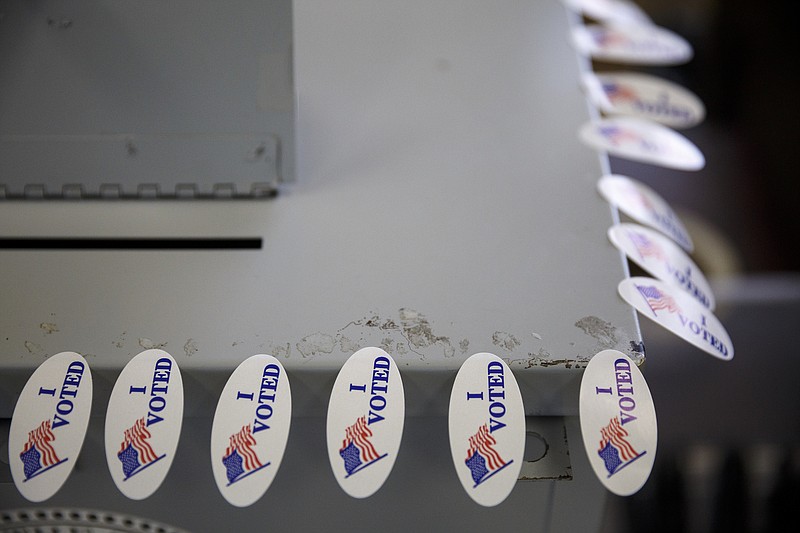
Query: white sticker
[678, 312]
[637, 44]
[644, 141]
[251, 427]
[618, 422]
[644, 96]
[143, 423]
[49, 424]
[365, 421]
[663, 259]
[610, 11]
[645, 206]
[487, 428]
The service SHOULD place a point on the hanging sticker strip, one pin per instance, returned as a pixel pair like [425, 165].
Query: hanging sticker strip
[49, 425]
[646, 97]
[644, 141]
[487, 428]
[366, 414]
[645, 206]
[618, 422]
[143, 423]
[663, 259]
[637, 44]
[680, 313]
[250, 430]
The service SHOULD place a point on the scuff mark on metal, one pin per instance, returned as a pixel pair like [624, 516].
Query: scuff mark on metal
[505, 340]
[347, 345]
[637, 352]
[48, 327]
[386, 345]
[413, 327]
[120, 341]
[597, 328]
[417, 330]
[315, 344]
[464, 345]
[282, 350]
[32, 347]
[190, 348]
[149, 344]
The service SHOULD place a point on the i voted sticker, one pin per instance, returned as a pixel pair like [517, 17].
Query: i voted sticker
[644, 141]
[143, 423]
[645, 206]
[644, 96]
[251, 427]
[487, 428]
[610, 11]
[678, 312]
[618, 422]
[638, 44]
[49, 424]
[663, 259]
[365, 421]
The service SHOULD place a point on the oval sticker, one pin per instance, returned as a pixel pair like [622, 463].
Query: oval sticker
[663, 259]
[644, 96]
[251, 427]
[678, 312]
[143, 423]
[618, 422]
[366, 414]
[486, 423]
[49, 424]
[644, 141]
[637, 44]
[645, 206]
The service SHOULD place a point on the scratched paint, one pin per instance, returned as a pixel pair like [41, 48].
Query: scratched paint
[597, 328]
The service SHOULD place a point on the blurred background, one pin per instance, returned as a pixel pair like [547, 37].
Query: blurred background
[729, 432]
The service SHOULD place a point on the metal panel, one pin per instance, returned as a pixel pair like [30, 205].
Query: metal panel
[445, 207]
[102, 98]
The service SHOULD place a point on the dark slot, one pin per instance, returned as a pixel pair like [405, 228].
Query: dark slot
[130, 243]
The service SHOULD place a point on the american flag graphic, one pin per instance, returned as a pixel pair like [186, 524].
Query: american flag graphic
[645, 246]
[482, 459]
[135, 452]
[615, 451]
[357, 451]
[38, 453]
[643, 200]
[619, 136]
[618, 92]
[240, 458]
[603, 37]
[657, 300]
